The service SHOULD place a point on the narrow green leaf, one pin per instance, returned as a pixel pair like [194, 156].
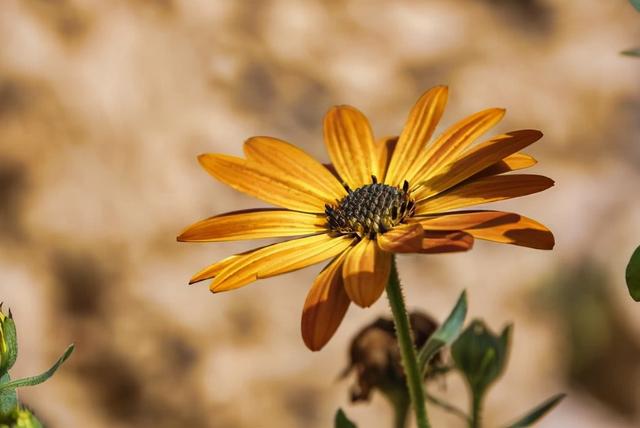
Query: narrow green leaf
[35, 380]
[636, 4]
[341, 420]
[445, 334]
[633, 275]
[538, 412]
[8, 399]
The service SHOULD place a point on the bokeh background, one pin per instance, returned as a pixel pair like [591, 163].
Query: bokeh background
[105, 105]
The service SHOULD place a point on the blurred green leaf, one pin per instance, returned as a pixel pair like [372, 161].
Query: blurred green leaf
[8, 399]
[341, 420]
[481, 356]
[538, 412]
[636, 4]
[633, 275]
[35, 380]
[446, 333]
[631, 52]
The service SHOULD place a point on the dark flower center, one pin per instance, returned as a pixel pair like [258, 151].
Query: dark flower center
[371, 209]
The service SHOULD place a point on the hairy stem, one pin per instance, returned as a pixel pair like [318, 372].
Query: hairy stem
[407, 350]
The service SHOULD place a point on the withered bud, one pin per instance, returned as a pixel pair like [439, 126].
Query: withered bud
[375, 356]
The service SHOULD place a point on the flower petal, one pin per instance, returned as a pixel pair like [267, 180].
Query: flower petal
[366, 272]
[422, 121]
[406, 238]
[325, 306]
[446, 242]
[214, 269]
[450, 144]
[254, 224]
[386, 146]
[264, 182]
[349, 140]
[278, 258]
[511, 163]
[483, 190]
[478, 159]
[293, 161]
[309, 256]
[498, 226]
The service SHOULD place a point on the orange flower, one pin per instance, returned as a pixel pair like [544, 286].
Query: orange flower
[376, 199]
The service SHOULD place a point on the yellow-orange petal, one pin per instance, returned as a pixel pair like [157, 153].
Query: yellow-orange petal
[349, 140]
[497, 226]
[326, 304]
[294, 161]
[264, 182]
[366, 272]
[417, 131]
[254, 224]
[446, 242]
[476, 160]
[386, 146]
[511, 163]
[450, 144]
[406, 238]
[484, 190]
[278, 258]
[217, 267]
[302, 258]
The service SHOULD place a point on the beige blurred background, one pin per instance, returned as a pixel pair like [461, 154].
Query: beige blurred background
[104, 106]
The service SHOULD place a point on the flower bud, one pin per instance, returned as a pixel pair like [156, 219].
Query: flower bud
[8, 342]
[480, 355]
[21, 417]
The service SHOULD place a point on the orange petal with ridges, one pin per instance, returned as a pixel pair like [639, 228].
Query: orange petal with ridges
[278, 258]
[511, 163]
[264, 182]
[293, 161]
[386, 146]
[254, 224]
[446, 242]
[366, 272]
[476, 160]
[484, 190]
[406, 238]
[417, 131]
[497, 226]
[450, 144]
[349, 140]
[326, 304]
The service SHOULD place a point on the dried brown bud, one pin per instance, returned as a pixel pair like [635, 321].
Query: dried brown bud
[375, 356]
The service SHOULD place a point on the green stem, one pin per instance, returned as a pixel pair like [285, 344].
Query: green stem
[476, 411]
[407, 350]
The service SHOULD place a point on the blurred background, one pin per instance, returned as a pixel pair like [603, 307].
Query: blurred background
[104, 107]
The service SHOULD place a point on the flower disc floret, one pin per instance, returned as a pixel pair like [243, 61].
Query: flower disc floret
[371, 209]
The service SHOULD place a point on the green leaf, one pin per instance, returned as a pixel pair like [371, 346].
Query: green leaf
[633, 275]
[35, 380]
[636, 4]
[341, 420]
[445, 334]
[538, 412]
[8, 399]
